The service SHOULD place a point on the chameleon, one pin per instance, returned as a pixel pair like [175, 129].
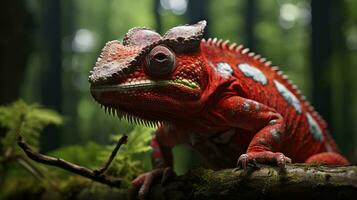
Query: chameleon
[231, 105]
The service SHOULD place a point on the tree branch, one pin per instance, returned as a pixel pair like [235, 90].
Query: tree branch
[95, 175]
[298, 181]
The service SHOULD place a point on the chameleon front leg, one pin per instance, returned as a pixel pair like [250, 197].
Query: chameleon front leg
[258, 118]
[162, 161]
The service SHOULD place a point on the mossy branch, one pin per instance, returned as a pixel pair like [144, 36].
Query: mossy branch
[95, 175]
[298, 181]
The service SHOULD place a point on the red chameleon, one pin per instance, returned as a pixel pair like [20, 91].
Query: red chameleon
[227, 103]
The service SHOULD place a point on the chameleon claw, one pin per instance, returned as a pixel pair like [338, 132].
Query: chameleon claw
[243, 161]
[167, 174]
[145, 181]
[282, 160]
[263, 157]
[144, 189]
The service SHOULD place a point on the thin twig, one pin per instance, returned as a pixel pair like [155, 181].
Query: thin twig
[36, 172]
[122, 140]
[30, 168]
[63, 164]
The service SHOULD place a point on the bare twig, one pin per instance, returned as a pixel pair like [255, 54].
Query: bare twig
[30, 168]
[63, 164]
[122, 140]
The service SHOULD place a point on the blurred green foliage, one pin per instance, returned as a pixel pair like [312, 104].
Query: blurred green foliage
[27, 120]
[19, 173]
[19, 118]
[132, 159]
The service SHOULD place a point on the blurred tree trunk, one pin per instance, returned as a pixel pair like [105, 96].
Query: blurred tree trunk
[14, 47]
[331, 77]
[249, 24]
[321, 57]
[342, 88]
[72, 95]
[52, 61]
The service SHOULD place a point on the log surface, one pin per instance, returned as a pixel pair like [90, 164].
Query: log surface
[298, 181]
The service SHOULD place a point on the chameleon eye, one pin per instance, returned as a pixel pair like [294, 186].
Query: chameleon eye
[160, 61]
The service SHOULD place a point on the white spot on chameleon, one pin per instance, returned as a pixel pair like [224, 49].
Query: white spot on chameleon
[315, 129]
[288, 96]
[224, 69]
[246, 106]
[275, 134]
[257, 106]
[272, 122]
[253, 73]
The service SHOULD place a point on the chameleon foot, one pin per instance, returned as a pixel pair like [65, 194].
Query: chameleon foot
[144, 181]
[266, 157]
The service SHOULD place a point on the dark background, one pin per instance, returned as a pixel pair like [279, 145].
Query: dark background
[48, 47]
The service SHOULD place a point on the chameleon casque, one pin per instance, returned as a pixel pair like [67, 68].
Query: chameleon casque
[227, 103]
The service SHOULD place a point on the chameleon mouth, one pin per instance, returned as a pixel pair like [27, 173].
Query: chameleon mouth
[137, 85]
[124, 116]
[146, 84]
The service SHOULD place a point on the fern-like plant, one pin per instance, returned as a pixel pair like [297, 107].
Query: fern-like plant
[27, 120]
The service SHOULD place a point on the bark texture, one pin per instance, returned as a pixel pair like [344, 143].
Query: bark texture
[296, 182]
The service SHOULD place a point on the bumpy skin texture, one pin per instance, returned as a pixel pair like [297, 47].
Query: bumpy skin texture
[229, 104]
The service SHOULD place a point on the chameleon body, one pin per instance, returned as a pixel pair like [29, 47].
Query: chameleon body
[229, 104]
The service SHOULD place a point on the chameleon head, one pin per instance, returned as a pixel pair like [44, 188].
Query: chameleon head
[150, 76]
